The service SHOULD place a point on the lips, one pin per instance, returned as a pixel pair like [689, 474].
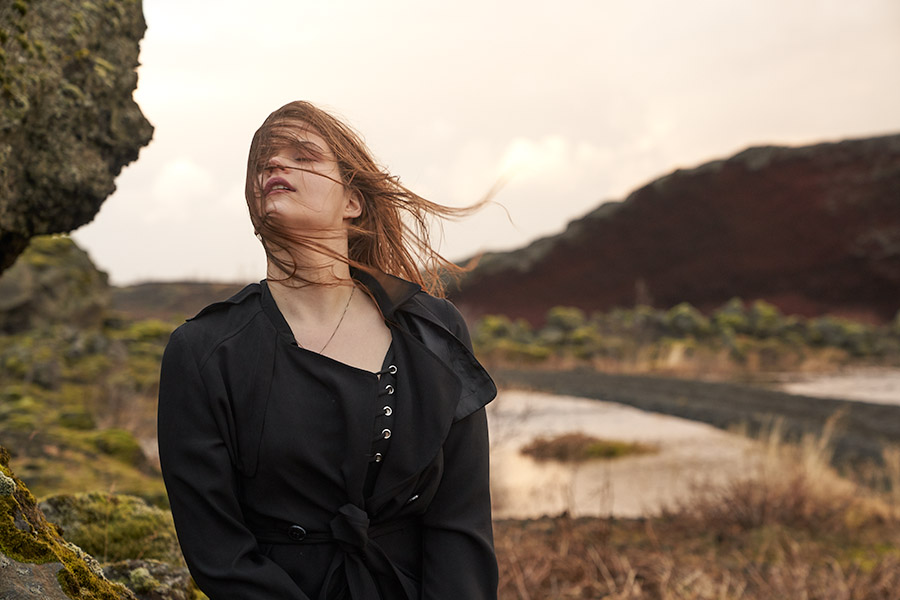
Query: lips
[276, 184]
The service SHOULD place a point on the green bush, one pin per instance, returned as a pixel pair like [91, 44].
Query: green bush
[565, 318]
[732, 316]
[765, 319]
[685, 320]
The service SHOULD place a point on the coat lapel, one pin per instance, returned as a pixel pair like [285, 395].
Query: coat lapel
[445, 383]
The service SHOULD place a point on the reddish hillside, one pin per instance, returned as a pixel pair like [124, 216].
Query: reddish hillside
[813, 230]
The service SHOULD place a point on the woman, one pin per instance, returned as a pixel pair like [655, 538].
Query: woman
[322, 433]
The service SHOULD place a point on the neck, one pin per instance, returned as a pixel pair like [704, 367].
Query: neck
[311, 267]
[309, 306]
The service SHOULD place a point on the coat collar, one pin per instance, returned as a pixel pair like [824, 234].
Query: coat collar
[389, 293]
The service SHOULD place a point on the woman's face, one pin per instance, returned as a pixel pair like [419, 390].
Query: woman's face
[302, 187]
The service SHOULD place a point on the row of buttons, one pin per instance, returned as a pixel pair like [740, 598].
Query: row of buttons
[387, 410]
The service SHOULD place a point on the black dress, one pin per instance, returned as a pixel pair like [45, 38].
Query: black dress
[292, 475]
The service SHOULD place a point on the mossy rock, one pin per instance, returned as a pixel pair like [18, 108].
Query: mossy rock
[27, 537]
[154, 580]
[53, 282]
[115, 527]
[69, 120]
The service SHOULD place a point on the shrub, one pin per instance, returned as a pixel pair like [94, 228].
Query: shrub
[765, 320]
[565, 318]
[685, 320]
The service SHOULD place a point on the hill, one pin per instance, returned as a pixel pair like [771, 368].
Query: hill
[813, 230]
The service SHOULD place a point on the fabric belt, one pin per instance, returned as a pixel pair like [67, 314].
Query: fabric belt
[361, 558]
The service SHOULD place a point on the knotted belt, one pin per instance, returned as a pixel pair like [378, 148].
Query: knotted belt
[360, 558]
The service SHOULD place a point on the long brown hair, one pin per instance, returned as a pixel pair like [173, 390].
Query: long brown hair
[391, 235]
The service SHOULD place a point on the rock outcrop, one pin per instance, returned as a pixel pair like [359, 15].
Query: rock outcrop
[68, 123]
[812, 230]
[53, 281]
[35, 561]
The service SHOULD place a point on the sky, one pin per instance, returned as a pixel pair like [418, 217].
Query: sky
[574, 103]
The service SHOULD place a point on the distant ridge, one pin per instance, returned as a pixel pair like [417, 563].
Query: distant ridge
[169, 300]
[813, 230]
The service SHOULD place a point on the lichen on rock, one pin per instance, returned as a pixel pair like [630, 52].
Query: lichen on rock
[68, 122]
[27, 538]
[7, 485]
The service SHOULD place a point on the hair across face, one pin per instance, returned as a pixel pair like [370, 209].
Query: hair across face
[391, 233]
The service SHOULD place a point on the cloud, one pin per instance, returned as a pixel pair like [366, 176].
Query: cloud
[180, 190]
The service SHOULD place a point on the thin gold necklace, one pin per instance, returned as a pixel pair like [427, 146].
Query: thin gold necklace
[336, 327]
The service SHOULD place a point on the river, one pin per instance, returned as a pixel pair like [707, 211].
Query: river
[691, 454]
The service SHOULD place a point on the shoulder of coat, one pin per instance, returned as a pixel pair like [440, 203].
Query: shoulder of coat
[440, 310]
[245, 296]
[222, 320]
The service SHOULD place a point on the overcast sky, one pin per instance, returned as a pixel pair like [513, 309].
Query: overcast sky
[577, 101]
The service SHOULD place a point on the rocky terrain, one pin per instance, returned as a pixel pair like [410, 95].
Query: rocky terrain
[68, 123]
[77, 403]
[812, 230]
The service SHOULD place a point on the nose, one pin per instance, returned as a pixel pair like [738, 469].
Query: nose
[275, 163]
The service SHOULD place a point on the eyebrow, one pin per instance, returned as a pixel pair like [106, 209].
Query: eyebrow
[303, 144]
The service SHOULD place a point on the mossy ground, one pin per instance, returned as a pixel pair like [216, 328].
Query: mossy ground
[578, 447]
[76, 404]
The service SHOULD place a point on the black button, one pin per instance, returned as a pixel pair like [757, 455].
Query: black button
[296, 533]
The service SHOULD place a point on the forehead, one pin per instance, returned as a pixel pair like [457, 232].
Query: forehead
[295, 134]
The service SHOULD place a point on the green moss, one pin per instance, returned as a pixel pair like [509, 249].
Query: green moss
[88, 369]
[115, 527]
[119, 444]
[80, 420]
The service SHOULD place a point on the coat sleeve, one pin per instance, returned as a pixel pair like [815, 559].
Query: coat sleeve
[459, 559]
[220, 551]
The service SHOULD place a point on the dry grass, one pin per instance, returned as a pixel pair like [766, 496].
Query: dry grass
[794, 529]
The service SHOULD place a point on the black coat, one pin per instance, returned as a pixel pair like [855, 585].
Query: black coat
[250, 531]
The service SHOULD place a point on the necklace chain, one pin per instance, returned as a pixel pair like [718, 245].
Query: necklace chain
[336, 327]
